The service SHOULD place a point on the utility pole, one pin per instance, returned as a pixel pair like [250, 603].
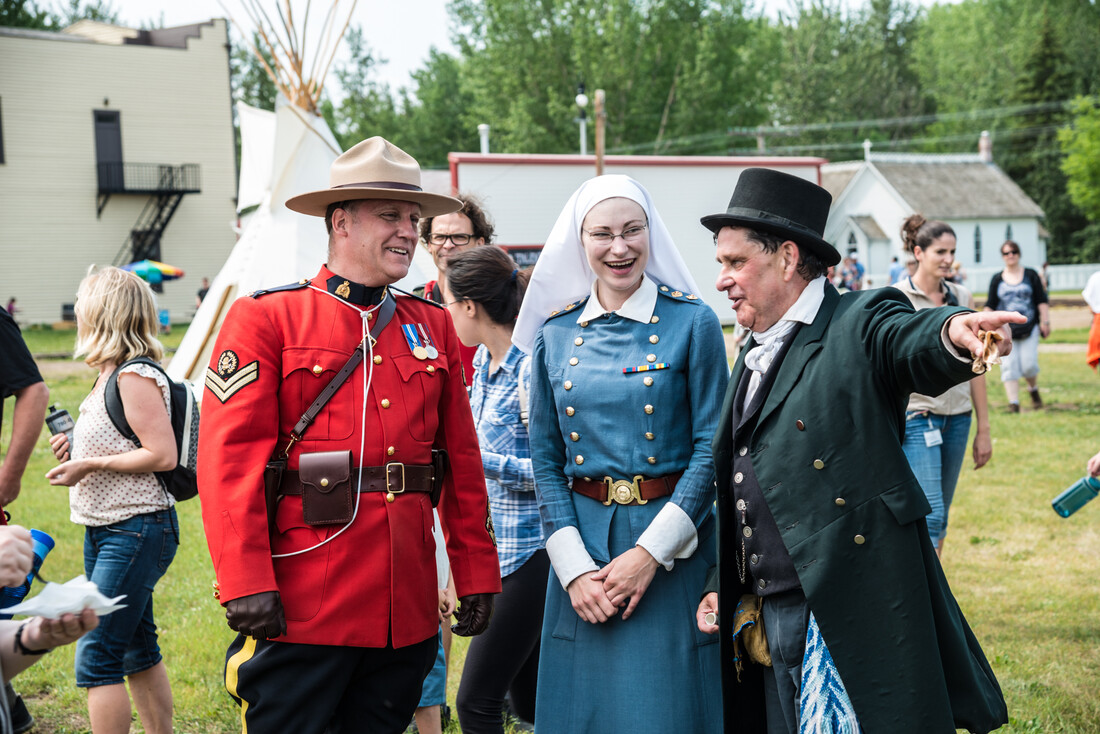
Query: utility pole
[601, 121]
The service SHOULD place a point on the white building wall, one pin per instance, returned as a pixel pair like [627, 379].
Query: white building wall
[175, 108]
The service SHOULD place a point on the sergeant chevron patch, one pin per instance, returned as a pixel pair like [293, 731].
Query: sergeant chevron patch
[224, 387]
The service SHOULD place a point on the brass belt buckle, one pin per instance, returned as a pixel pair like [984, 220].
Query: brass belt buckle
[624, 492]
[392, 492]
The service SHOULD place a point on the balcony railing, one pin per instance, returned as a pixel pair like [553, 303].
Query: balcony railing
[148, 178]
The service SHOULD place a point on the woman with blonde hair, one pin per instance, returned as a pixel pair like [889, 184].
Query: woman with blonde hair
[131, 531]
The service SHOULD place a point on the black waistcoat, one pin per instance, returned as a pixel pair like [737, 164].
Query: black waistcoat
[763, 556]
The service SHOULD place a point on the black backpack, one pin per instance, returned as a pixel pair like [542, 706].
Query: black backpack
[180, 482]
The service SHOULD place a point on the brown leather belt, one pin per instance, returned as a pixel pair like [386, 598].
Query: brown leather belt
[625, 491]
[394, 477]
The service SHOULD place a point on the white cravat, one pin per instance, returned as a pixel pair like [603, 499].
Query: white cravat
[770, 341]
[760, 357]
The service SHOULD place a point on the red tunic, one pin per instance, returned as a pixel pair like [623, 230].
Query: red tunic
[377, 580]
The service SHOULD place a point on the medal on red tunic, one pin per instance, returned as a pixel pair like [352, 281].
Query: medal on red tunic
[427, 341]
[412, 336]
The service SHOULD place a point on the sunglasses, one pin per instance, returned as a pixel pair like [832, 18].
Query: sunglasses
[1006, 253]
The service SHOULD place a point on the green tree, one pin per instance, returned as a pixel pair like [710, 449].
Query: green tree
[851, 75]
[441, 117]
[26, 14]
[657, 60]
[1030, 153]
[1080, 143]
[251, 82]
[367, 108]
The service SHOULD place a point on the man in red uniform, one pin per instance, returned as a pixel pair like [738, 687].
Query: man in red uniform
[330, 579]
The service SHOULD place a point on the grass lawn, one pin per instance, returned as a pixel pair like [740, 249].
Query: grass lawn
[1025, 577]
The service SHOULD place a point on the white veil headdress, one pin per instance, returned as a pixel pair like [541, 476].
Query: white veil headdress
[562, 275]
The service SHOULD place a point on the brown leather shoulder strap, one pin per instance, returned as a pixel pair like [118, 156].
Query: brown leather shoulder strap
[385, 314]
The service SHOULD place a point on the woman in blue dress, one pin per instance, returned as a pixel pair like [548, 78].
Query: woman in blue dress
[627, 372]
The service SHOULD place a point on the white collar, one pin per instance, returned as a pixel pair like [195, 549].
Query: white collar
[639, 307]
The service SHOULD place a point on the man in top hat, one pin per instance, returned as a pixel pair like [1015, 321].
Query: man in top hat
[821, 520]
[327, 571]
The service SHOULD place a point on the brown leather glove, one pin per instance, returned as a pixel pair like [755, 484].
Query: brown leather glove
[472, 615]
[258, 615]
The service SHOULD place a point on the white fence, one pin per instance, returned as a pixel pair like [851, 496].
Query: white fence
[1062, 277]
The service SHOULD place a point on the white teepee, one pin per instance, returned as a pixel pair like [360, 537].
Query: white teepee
[277, 246]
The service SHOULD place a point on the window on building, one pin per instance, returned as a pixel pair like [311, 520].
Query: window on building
[1, 130]
[977, 244]
[852, 239]
[1008, 231]
[108, 150]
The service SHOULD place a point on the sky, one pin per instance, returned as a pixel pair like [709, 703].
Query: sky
[401, 31]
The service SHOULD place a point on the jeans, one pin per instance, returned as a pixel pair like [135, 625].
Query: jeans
[937, 467]
[126, 557]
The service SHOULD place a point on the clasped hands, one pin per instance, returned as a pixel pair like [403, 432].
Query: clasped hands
[599, 595]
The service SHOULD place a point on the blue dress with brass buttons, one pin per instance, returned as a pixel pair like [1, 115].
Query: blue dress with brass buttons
[655, 672]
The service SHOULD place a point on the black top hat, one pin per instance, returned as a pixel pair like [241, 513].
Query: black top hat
[782, 204]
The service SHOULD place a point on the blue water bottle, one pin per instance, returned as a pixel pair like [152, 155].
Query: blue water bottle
[12, 595]
[1077, 496]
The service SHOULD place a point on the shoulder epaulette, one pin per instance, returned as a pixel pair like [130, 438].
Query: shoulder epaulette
[566, 309]
[419, 298]
[667, 292]
[288, 287]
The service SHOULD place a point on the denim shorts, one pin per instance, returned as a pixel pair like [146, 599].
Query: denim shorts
[126, 557]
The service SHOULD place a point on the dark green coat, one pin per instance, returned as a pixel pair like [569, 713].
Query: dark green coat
[855, 527]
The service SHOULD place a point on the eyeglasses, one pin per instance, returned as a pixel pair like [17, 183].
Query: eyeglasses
[458, 240]
[1006, 253]
[631, 234]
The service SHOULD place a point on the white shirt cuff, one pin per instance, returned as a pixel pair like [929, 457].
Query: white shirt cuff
[670, 535]
[568, 555]
[949, 345]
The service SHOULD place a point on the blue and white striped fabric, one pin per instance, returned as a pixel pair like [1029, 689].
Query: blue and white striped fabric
[824, 704]
[506, 456]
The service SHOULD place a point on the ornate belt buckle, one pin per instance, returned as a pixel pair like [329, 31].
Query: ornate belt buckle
[624, 492]
[390, 494]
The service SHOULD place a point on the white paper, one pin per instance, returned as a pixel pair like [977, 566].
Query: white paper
[72, 597]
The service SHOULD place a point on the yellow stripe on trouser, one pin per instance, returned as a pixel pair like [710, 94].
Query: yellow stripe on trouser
[231, 667]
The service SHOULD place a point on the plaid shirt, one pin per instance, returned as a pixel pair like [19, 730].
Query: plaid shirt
[506, 456]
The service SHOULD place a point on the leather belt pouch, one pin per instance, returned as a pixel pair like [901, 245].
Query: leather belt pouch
[327, 497]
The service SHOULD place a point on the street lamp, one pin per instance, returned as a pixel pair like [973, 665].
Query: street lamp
[582, 102]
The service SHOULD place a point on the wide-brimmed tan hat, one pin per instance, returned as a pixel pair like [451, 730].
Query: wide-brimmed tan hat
[374, 169]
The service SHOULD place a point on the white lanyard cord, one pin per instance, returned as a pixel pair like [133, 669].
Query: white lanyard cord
[368, 374]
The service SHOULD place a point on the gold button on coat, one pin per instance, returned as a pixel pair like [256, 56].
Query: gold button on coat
[390, 450]
[430, 368]
[648, 380]
[575, 436]
[389, 496]
[378, 359]
[578, 341]
[800, 425]
[860, 540]
[649, 410]
[385, 402]
[568, 385]
[819, 464]
[318, 369]
[654, 319]
[747, 532]
[574, 361]
[840, 502]
[649, 436]
[584, 324]
[324, 482]
[579, 459]
[569, 410]
[738, 478]
[654, 339]
[652, 459]
[651, 358]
